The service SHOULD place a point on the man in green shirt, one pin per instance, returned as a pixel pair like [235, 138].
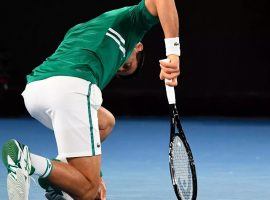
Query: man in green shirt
[64, 94]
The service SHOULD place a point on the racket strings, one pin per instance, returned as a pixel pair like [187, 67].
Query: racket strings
[182, 171]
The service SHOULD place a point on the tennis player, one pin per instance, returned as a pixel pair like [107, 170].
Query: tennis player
[64, 94]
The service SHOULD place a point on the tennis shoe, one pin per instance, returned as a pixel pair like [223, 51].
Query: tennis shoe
[16, 158]
[52, 193]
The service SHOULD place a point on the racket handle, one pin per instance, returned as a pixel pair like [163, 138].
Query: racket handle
[169, 90]
[170, 93]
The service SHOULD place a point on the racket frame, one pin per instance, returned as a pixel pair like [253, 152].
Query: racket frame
[175, 124]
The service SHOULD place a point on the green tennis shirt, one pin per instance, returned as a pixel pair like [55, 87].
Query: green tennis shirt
[96, 49]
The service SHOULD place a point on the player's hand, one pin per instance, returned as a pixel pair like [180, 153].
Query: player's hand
[170, 70]
[102, 191]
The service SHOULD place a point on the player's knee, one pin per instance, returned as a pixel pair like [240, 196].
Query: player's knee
[106, 123]
[106, 120]
[111, 121]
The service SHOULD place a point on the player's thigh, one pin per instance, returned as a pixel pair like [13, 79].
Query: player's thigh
[75, 124]
[105, 118]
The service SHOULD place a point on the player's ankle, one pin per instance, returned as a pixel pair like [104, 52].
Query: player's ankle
[42, 167]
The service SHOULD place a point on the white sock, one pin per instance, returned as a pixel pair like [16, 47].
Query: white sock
[43, 166]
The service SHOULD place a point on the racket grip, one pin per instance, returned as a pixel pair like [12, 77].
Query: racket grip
[170, 93]
[169, 90]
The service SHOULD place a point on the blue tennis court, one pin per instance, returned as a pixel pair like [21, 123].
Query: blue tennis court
[231, 154]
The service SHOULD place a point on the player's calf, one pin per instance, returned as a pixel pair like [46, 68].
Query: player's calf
[89, 167]
[80, 178]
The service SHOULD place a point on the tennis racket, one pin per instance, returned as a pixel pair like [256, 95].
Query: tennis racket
[182, 167]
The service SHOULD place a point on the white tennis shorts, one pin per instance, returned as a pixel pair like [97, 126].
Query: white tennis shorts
[68, 106]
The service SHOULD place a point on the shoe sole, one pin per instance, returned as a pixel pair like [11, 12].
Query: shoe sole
[18, 189]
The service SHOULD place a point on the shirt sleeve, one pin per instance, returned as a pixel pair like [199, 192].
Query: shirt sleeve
[142, 17]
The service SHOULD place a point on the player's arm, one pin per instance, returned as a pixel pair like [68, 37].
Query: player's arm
[168, 17]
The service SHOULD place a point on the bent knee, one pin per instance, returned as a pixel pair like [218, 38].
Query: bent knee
[111, 121]
[106, 119]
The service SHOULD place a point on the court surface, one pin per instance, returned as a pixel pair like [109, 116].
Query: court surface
[232, 157]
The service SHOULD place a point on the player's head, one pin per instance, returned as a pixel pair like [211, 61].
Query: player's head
[134, 63]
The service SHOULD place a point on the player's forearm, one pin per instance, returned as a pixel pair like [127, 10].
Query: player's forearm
[168, 16]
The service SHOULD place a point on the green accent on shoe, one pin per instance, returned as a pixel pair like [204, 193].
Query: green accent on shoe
[10, 149]
[16, 155]
[32, 170]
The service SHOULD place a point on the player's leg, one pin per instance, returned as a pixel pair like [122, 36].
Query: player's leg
[79, 178]
[106, 122]
[75, 123]
[75, 178]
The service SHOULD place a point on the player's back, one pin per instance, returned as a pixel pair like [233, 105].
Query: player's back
[95, 50]
[90, 35]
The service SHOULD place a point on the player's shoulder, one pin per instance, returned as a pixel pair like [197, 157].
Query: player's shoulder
[131, 9]
[150, 5]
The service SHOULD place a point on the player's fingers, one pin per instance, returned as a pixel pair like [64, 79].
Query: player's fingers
[169, 70]
[169, 65]
[103, 195]
[161, 76]
[172, 83]
[175, 82]
[98, 196]
[175, 66]
[103, 191]
[170, 76]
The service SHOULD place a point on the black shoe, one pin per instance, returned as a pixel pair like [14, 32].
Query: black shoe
[52, 193]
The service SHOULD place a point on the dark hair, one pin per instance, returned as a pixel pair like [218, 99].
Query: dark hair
[140, 62]
[140, 59]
